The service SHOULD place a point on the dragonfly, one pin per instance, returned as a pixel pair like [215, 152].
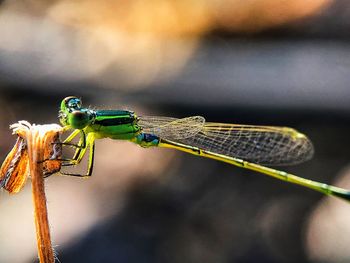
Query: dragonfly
[247, 146]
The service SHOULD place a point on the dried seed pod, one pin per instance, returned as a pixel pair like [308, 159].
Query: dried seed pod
[52, 153]
[14, 170]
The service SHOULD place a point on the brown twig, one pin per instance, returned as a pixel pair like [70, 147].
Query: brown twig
[36, 155]
[35, 144]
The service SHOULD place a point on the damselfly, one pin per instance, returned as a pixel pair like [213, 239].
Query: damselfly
[247, 146]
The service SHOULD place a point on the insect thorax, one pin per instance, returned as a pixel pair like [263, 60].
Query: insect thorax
[115, 124]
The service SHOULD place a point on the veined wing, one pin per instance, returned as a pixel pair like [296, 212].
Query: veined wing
[260, 144]
[172, 128]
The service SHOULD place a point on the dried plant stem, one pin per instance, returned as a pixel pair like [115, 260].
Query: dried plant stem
[36, 150]
[36, 154]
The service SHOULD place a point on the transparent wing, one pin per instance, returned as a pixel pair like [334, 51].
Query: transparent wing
[172, 128]
[260, 144]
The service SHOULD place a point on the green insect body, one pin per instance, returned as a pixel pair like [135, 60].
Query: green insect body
[114, 124]
[245, 146]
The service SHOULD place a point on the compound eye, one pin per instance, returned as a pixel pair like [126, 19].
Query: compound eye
[73, 103]
[79, 119]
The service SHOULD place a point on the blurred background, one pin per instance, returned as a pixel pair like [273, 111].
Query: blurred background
[267, 62]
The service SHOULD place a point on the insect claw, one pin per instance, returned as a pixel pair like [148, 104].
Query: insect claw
[69, 144]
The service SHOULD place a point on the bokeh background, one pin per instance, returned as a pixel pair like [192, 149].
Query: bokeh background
[268, 62]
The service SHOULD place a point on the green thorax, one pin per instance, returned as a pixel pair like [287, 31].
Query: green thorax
[115, 124]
